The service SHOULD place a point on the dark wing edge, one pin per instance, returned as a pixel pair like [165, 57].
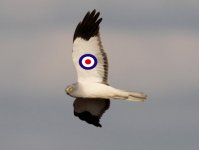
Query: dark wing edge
[89, 26]
[88, 116]
[105, 62]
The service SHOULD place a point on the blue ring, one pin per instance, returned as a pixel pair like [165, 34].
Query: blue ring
[86, 55]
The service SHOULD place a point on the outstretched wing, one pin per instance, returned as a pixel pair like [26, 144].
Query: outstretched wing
[86, 45]
[90, 109]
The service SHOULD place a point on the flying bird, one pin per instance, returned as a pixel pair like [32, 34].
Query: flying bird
[92, 91]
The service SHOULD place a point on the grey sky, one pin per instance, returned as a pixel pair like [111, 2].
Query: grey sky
[138, 14]
[152, 47]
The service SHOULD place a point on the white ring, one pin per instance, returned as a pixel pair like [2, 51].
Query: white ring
[89, 58]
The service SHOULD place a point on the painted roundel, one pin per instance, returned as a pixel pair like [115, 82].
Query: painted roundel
[88, 61]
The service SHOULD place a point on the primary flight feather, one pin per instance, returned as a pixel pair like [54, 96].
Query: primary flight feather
[92, 91]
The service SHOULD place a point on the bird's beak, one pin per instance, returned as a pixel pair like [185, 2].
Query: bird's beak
[67, 90]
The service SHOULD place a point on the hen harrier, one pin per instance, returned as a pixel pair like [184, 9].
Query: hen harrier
[92, 91]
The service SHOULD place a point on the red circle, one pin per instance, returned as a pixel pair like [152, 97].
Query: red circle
[87, 61]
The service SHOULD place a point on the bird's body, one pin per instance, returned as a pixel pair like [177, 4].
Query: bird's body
[92, 91]
[98, 90]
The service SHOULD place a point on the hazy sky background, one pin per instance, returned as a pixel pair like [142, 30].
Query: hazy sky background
[152, 45]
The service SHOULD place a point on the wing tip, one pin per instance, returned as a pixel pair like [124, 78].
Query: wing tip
[89, 118]
[89, 26]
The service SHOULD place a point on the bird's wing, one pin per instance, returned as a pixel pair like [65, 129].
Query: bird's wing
[88, 55]
[90, 109]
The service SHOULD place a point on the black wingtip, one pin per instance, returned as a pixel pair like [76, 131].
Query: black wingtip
[89, 26]
[89, 118]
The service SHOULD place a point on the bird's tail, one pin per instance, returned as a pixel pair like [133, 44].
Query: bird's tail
[136, 96]
[131, 96]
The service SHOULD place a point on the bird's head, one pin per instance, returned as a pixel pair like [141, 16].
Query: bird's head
[70, 89]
